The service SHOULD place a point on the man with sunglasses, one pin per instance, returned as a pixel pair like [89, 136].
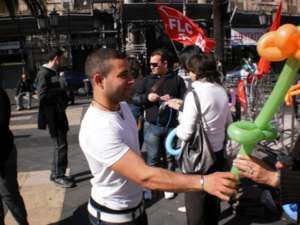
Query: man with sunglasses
[108, 138]
[158, 87]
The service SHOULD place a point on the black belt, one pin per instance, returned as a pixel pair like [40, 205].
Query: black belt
[112, 211]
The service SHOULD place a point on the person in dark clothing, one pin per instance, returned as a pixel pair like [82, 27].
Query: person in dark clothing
[156, 88]
[286, 179]
[64, 85]
[135, 70]
[52, 113]
[9, 187]
[24, 89]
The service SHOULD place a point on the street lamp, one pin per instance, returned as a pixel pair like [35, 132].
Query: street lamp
[53, 22]
[53, 18]
[42, 22]
[263, 18]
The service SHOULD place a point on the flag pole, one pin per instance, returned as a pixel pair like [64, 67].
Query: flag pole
[176, 51]
[172, 42]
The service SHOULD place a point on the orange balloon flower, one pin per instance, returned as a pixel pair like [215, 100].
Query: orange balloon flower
[280, 44]
[293, 91]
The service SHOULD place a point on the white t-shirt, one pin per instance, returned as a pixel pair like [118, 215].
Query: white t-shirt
[215, 111]
[104, 138]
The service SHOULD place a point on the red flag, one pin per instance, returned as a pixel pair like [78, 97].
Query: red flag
[241, 94]
[182, 29]
[263, 64]
[277, 18]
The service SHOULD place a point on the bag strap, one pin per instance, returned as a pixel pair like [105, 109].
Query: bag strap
[157, 84]
[200, 121]
[198, 105]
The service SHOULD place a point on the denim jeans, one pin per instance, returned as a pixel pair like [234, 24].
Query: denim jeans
[142, 220]
[9, 191]
[60, 155]
[154, 144]
[20, 97]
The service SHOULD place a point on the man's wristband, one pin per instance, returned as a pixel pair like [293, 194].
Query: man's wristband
[201, 182]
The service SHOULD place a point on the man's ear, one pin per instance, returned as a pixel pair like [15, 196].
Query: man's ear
[165, 62]
[98, 79]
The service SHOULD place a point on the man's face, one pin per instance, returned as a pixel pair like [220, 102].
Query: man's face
[23, 77]
[157, 66]
[58, 60]
[118, 82]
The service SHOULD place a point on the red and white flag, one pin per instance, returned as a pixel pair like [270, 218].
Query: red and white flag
[182, 29]
[263, 64]
[242, 94]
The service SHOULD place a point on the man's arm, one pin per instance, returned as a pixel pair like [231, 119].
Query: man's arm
[139, 98]
[134, 168]
[41, 83]
[4, 112]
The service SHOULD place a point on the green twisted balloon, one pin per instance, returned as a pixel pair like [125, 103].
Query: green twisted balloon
[248, 134]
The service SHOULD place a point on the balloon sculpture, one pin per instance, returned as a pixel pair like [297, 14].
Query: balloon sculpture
[284, 43]
[169, 144]
[293, 91]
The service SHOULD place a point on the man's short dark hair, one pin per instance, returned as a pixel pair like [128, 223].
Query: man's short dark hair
[53, 53]
[97, 61]
[164, 54]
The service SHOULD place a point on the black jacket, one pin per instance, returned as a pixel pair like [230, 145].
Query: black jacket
[52, 102]
[24, 86]
[173, 85]
[290, 186]
[6, 136]
[290, 179]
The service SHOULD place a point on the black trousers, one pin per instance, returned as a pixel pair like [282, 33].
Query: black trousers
[60, 155]
[203, 208]
[9, 191]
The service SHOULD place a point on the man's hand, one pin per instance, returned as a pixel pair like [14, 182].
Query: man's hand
[174, 103]
[165, 97]
[220, 184]
[153, 97]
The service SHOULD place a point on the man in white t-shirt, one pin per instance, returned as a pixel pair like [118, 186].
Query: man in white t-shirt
[109, 140]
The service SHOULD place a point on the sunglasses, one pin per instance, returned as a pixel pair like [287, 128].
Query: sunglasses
[153, 64]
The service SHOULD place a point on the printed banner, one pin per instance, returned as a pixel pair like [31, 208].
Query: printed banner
[182, 29]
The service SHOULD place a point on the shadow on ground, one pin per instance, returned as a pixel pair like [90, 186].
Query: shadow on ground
[82, 176]
[79, 216]
[248, 220]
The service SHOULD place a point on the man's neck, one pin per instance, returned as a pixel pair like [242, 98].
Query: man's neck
[104, 104]
[164, 73]
[50, 66]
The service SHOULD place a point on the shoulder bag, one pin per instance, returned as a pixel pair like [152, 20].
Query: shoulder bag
[197, 156]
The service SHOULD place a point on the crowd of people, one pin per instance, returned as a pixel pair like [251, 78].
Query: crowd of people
[130, 111]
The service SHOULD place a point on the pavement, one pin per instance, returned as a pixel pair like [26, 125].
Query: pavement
[48, 204]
